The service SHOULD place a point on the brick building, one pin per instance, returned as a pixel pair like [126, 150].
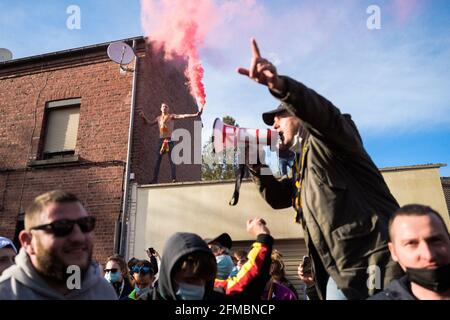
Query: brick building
[446, 187]
[65, 121]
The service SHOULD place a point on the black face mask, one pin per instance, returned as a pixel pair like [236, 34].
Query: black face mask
[437, 280]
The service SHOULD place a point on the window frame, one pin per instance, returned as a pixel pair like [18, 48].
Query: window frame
[49, 107]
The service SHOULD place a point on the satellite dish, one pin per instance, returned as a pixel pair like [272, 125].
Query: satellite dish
[5, 55]
[121, 53]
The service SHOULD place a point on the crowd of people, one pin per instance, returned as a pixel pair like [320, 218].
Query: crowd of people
[59, 234]
[352, 226]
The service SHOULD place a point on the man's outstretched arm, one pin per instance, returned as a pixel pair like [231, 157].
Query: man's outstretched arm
[151, 122]
[318, 115]
[187, 116]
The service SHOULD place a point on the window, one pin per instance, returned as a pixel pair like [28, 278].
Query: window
[62, 119]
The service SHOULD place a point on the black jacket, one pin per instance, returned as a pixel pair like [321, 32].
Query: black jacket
[127, 288]
[397, 290]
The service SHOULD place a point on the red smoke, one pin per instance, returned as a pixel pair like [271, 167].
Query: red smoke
[195, 70]
[180, 27]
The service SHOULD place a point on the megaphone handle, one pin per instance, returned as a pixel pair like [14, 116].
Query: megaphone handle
[237, 187]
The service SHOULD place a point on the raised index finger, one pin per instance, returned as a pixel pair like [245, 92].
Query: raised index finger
[255, 49]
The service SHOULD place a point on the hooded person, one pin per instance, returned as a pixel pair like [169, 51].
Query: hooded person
[188, 269]
[186, 254]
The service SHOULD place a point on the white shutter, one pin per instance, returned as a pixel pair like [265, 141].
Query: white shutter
[62, 129]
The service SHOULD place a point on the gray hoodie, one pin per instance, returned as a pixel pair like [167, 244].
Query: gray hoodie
[22, 282]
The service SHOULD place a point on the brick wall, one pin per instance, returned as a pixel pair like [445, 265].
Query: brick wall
[101, 142]
[105, 94]
[104, 112]
[446, 187]
[99, 187]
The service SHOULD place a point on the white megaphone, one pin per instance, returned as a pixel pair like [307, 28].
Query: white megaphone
[230, 137]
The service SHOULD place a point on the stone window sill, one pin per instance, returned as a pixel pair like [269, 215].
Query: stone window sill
[53, 162]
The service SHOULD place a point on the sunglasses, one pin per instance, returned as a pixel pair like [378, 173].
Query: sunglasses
[141, 269]
[113, 270]
[62, 228]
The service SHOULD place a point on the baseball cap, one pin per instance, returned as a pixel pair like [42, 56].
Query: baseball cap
[268, 117]
[224, 240]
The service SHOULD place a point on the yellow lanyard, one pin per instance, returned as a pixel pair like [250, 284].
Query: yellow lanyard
[298, 183]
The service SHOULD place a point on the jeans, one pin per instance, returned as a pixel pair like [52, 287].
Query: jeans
[333, 292]
[158, 161]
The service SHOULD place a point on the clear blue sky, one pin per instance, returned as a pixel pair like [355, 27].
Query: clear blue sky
[394, 81]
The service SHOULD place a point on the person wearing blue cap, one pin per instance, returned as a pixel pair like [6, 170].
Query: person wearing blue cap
[220, 247]
[8, 252]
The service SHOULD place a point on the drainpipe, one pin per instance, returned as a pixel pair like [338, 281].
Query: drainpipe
[123, 219]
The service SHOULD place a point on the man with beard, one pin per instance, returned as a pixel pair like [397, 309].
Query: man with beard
[339, 195]
[420, 243]
[57, 243]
